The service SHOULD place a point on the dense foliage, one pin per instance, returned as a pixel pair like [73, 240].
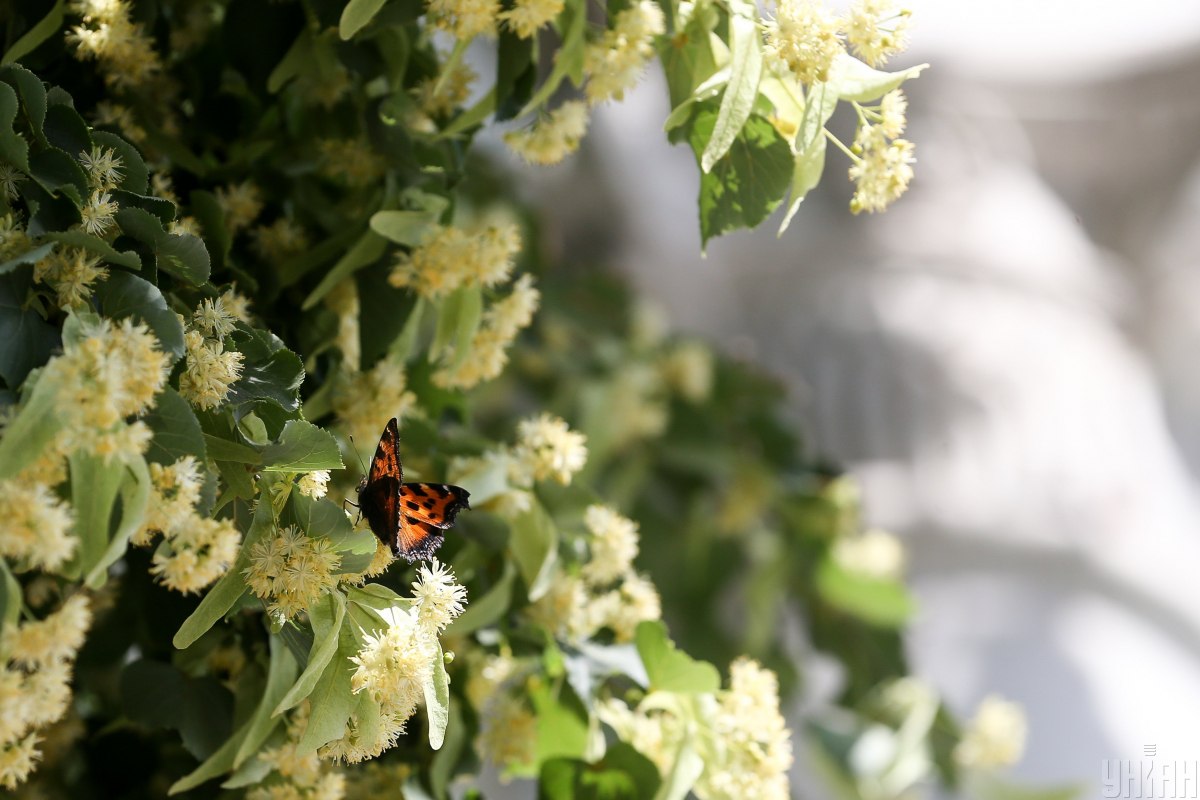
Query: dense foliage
[237, 238]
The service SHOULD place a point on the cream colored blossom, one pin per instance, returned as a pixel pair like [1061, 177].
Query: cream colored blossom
[17, 760]
[893, 110]
[210, 370]
[439, 598]
[548, 449]
[297, 776]
[882, 169]
[488, 352]
[439, 96]
[37, 526]
[634, 602]
[452, 257]
[552, 137]
[14, 240]
[103, 167]
[123, 49]
[315, 484]
[688, 370]
[241, 203]
[613, 544]
[291, 570]
[995, 736]
[526, 17]
[56, 638]
[237, 305]
[343, 299]
[280, 240]
[807, 37]
[875, 554]
[507, 731]
[71, 272]
[115, 115]
[615, 63]
[877, 30]
[465, 19]
[365, 401]
[197, 552]
[212, 318]
[10, 176]
[352, 162]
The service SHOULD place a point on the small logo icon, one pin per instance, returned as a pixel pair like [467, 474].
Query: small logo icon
[1149, 750]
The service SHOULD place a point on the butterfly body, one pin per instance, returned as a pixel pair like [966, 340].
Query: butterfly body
[409, 518]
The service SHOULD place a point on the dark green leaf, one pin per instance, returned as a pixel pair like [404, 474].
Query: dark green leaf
[622, 774]
[28, 339]
[32, 92]
[67, 131]
[96, 245]
[177, 432]
[28, 257]
[269, 372]
[35, 36]
[216, 236]
[303, 447]
[158, 695]
[124, 295]
[163, 209]
[225, 450]
[184, 256]
[134, 175]
[280, 676]
[13, 148]
[746, 185]
[368, 249]
[332, 700]
[58, 172]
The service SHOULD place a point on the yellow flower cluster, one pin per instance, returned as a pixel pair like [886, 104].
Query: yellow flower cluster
[688, 370]
[351, 161]
[882, 168]
[37, 526]
[395, 663]
[441, 94]
[35, 683]
[809, 38]
[526, 17]
[280, 240]
[365, 401]
[344, 302]
[289, 570]
[211, 369]
[488, 353]
[71, 272]
[553, 137]
[740, 735]
[547, 448]
[300, 777]
[615, 63]
[465, 19]
[241, 204]
[124, 51]
[114, 372]
[874, 554]
[452, 257]
[995, 736]
[608, 592]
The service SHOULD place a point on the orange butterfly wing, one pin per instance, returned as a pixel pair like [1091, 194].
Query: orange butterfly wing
[407, 517]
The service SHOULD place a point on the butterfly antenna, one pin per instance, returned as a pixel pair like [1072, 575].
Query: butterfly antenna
[361, 463]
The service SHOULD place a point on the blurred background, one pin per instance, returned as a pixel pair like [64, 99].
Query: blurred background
[1006, 360]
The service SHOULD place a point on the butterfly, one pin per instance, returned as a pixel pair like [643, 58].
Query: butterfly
[407, 517]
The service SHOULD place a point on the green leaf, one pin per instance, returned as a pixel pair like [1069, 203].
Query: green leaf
[125, 295]
[59, 173]
[487, 609]
[325, 616]
[10, 596]
[269, 372]
[28, 339]
[368, 249]
[94, 486]
[746, 185]
[562, 728]
[856, 81]
[437, 699]
[302, 447]
[163, 209]
[670, 669]
[534, 546]
[332, 700]
[35, 425]
[32, 92]
[807, 169]
[745, 71]
[95, 245]
[67, 131]
[622, 774]
[458, 319]
[408, 228]
[177, 432]
[884, 603]
[684, 772]
[225, 593]
[158, 695]
[980, 785]
[28, 257]
[215, 765]
[224, 450]
[135, 177]
[32, 38]
[262, 723]
[292, 63]
[181, 255]
[135, 496]
[13, 147]
[356, 15]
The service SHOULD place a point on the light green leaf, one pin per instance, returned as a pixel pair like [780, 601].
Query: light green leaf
[980, 785]
[855, 81]
[332, 700]
[458, 319]
[325, 616]
[670, 669]
[356, 15]
[135, 496]
[302, 447]
[35, 425]
[408, 228]
[489, 608]
[807, 169]
[229, 589]
[562, 728]
[280, 675]
[534, 546]
[43, 30]
[473, 116]
[705, 91]
[367, 250]
[885, 603]
[437, 699]
[94, 486]
[684, 772]
[224, 450]
[745, 71]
